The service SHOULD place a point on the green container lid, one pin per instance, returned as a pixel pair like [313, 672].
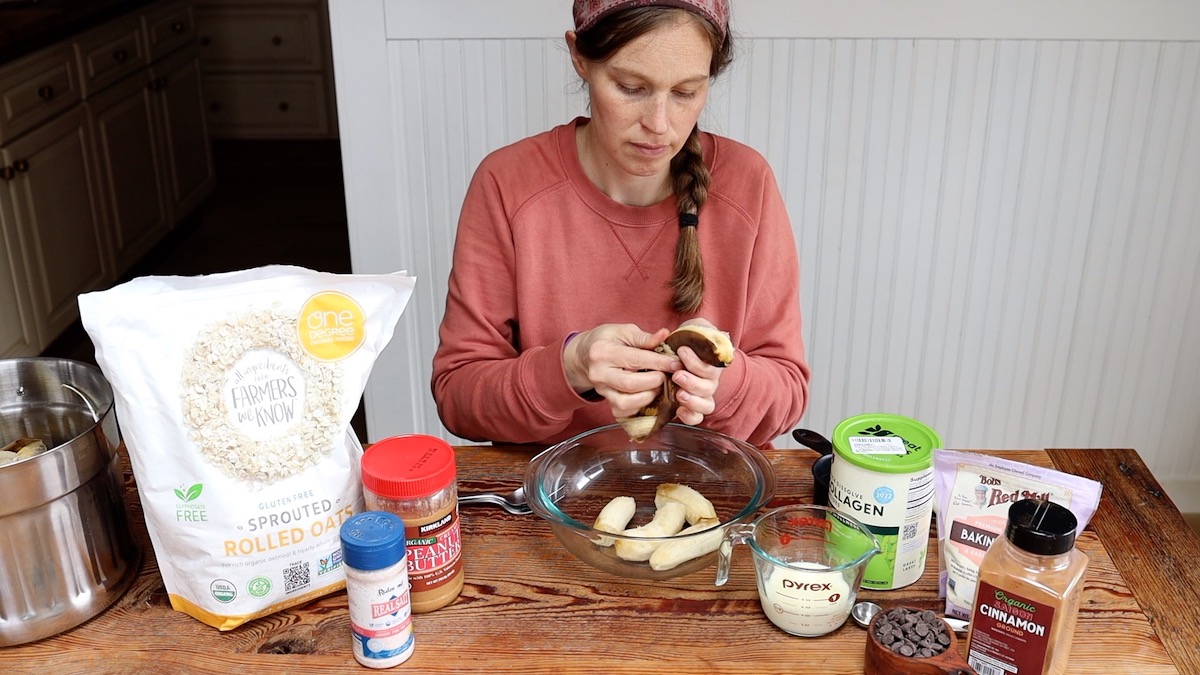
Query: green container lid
[885, 443]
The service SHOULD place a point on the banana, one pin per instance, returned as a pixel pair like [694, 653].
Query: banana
[696, 505]
[36, 447]
[23, 448]
[668, 521]
[711, 345]
[614, 518]
[672, 553]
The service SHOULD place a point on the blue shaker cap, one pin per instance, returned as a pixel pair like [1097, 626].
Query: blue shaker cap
[372, 540]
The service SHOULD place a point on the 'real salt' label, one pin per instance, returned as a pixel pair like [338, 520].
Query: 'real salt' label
[1009, 633]
[380, 621]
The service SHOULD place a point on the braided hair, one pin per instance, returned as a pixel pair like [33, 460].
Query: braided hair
[689, 174]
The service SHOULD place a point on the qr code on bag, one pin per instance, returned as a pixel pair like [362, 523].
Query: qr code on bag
[295, 576]
[910, 531]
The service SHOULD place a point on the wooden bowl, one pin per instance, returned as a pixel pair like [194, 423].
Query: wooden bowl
[882, 661]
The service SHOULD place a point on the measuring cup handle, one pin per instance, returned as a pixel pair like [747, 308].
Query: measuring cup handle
[723, 555]
[734, 534]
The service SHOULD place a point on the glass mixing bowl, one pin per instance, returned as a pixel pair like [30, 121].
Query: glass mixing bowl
[569, 483]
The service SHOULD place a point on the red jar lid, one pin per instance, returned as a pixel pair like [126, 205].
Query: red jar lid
[408, 467]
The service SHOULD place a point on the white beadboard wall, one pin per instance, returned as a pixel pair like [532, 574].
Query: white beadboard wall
[998, 224]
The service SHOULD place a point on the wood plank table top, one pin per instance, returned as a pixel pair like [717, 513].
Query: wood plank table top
[528, 606]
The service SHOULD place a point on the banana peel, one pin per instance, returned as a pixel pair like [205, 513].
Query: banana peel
[711, 345]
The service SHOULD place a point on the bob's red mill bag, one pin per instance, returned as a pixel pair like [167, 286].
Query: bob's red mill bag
[235, 393]
[974, 492]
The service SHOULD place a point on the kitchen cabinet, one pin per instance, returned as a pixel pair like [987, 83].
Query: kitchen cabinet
[152, 141]
[110, 53]
[267, 70]
[103, 149]
[52, 201]
[18, 334]
[36, 87]
[33, 89]
[131, 160]
[179, 108]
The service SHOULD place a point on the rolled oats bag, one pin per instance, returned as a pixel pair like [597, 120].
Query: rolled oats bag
[235, 393]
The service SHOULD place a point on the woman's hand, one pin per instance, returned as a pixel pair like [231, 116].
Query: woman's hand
[696, 384]
[619, 362]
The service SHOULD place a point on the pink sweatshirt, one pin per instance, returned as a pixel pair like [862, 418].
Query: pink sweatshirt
[542, 253]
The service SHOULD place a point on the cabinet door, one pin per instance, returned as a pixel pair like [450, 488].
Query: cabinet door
[168, 27]
[18, 332]
[110, 53]
[254, 37]
[35, 88]
[128, 152]
[183, 130]
[249, 105]
[57, 216]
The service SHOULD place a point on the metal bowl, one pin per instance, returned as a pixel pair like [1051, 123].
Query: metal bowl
[69, 552]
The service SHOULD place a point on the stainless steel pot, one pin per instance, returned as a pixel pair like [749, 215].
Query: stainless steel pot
[66, 552]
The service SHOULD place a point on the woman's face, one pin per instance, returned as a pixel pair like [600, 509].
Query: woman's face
[645, 100]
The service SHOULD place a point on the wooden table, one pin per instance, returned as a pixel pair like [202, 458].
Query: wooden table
[529, 607]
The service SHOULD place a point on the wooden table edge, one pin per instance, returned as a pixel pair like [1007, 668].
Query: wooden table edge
[1151, 545]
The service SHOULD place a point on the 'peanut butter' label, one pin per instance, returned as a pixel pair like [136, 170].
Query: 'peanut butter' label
[434, 552]
[1009, 633]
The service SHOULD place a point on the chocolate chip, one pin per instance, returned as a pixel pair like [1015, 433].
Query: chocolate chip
[912, 632]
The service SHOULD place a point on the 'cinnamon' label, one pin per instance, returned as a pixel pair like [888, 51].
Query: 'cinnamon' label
[1009, 633]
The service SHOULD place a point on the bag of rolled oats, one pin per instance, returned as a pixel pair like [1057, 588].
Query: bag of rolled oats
[235, 393]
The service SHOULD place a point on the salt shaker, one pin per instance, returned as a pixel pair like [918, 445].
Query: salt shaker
[373, 551]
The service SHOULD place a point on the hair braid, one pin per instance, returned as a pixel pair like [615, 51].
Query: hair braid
[690, 179]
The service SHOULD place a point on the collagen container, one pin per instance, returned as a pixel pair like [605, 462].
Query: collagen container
[883, 475]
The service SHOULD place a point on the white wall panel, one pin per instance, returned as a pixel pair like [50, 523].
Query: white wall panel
[998, 236]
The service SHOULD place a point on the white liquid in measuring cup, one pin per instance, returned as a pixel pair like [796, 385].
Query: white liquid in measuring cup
[804, 603]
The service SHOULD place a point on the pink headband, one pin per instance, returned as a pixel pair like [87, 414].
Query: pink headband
[589, 12]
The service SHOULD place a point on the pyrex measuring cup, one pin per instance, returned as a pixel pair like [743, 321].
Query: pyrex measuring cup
[809, 562]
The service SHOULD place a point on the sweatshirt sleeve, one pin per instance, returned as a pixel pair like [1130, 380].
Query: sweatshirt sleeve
[486, 388]
[764, 392]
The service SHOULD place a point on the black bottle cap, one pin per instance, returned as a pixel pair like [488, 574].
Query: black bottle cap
[1041, 527]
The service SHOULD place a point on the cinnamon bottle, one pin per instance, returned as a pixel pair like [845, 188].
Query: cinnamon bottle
[1027, 599]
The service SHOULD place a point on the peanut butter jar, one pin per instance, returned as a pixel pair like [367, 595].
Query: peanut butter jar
[413, 476]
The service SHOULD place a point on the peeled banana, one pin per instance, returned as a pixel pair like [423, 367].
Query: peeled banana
[711, 345]
[675, 504]
[614, 518]
[670, 554]
[697, 507]
[668, 521]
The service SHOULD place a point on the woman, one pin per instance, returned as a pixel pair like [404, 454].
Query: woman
[578, 250]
